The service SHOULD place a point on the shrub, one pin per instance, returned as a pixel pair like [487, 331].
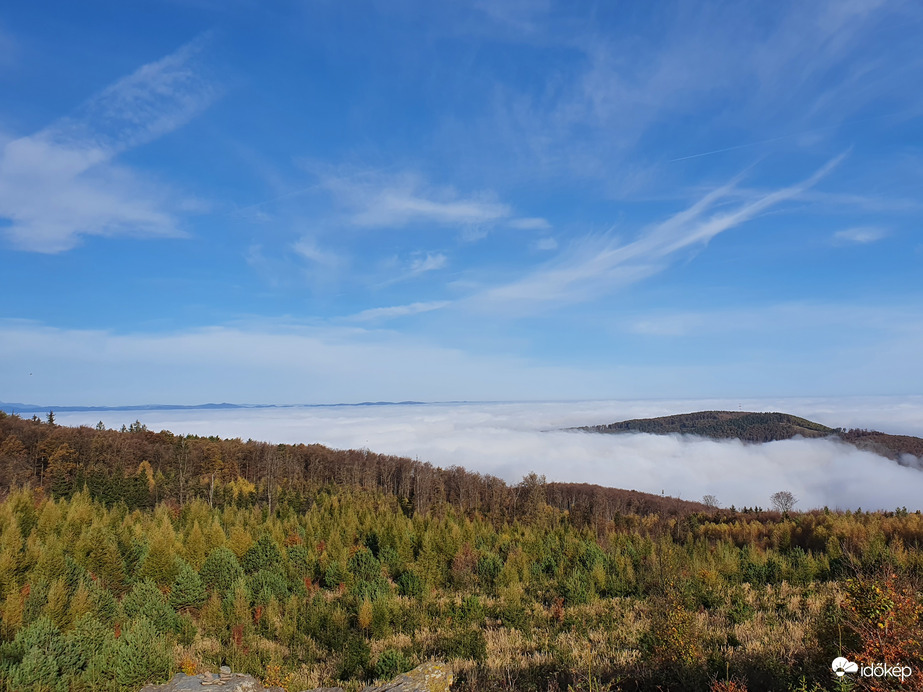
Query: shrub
[410, 584]
[371, 590]
[576, 588]
[885, 614]
[468, 644]
[355, 661]
[471, 609]
[391, 662]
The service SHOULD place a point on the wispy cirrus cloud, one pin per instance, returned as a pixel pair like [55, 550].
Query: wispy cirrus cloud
[597, 265]
[377, 200]
[308, 248]
[430, 262]
[419, 265]
[394, 311]
[607, 95]
[63, 182]
[860, 235]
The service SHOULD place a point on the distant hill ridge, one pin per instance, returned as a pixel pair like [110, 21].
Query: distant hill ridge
[741, 425]
[758, 427]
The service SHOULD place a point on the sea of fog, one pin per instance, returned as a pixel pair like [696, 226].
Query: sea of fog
[511, 439]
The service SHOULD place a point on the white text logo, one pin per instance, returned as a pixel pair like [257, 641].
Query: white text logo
[842, 665]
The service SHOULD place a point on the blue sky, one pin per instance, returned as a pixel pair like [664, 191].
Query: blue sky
[325, 201]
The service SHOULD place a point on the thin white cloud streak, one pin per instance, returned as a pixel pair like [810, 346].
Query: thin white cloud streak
[391, 312]
[431, 262]
[375, 200]
[418, 266]
[510, 440]
[62, 182]
[308, 248]
[596, 268]
[862, 235]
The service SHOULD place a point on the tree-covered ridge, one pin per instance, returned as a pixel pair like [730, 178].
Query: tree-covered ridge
[749, 426]
[741, 425]
[141, 467]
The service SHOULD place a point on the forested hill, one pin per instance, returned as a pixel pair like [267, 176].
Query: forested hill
[741, 425]
[140, 467]
[763, 427]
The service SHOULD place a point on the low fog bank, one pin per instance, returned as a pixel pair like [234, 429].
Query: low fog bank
[511, 439]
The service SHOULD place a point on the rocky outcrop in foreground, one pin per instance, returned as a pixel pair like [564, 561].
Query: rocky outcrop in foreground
[429, 677]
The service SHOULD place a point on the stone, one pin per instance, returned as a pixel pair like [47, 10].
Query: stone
[429, 677]
[226, 682]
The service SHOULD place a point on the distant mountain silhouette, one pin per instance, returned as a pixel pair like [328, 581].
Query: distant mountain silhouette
[11, 407]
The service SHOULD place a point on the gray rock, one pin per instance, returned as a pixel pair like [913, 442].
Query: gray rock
[226, 682]
[430, 677]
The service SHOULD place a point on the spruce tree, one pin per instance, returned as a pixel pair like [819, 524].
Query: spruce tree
[142, 655]
[262, 555]
[146, 600]
[187, 591]
[220, 570]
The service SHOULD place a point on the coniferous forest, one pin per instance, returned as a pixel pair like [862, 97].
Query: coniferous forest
[126, 556]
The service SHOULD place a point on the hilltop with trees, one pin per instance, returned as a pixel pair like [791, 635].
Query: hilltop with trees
[748, 426]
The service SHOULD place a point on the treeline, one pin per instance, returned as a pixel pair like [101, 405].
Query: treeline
[140, 468]
[893, 446]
